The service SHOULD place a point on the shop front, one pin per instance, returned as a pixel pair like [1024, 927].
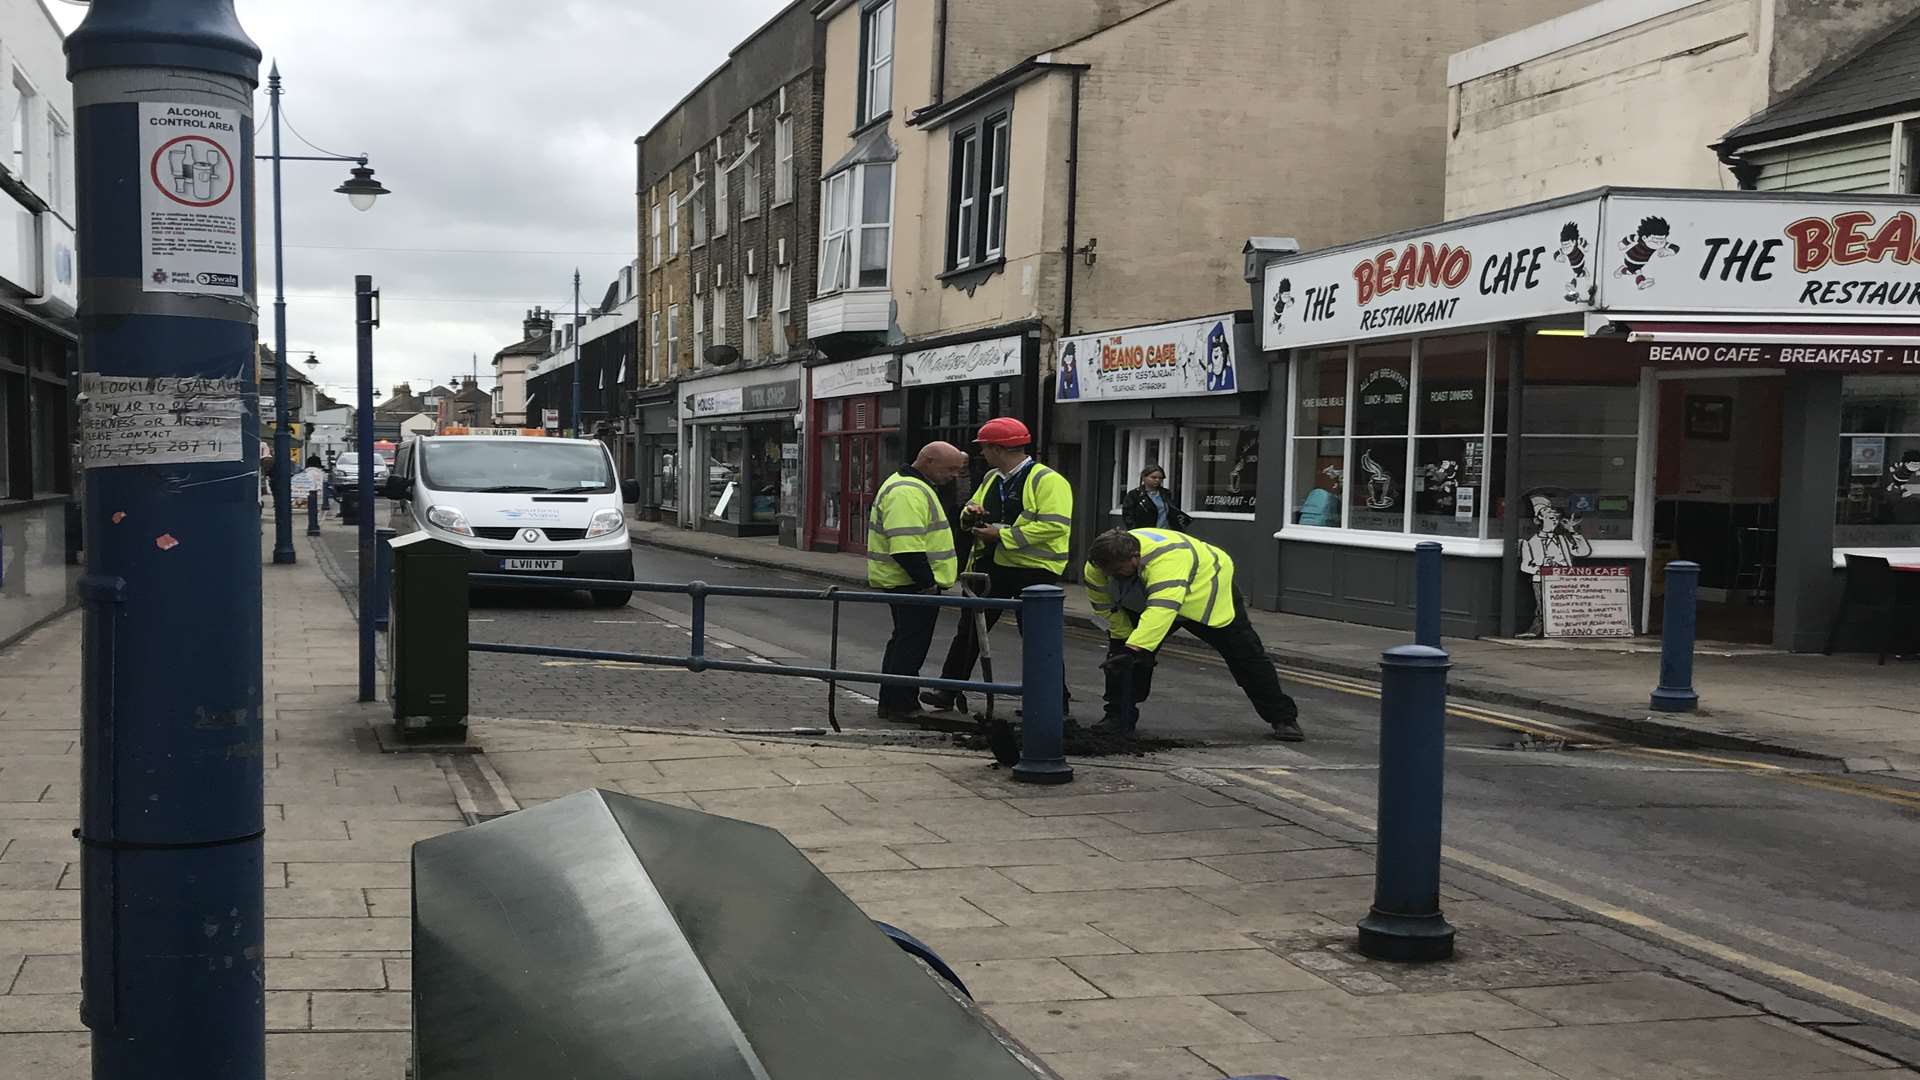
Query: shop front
[1593, 387]
[954, 385]
[739, 431]
[853, 445]
[1183, 398]
[657, 453]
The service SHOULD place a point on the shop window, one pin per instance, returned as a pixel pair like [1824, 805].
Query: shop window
[1381, 403]
[1450, 447]
[1221, 469]
[1580, 434]
[766, 444]
[1137, 450]
[9, 389]
[726, 468]
[1877, 498]
[1319, 437]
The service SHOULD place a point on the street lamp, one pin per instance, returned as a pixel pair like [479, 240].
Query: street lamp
[361, 189]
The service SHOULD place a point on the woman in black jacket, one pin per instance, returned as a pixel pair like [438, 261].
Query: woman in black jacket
[1152, 504]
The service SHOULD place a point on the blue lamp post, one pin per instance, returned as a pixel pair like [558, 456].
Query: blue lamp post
[361, 189]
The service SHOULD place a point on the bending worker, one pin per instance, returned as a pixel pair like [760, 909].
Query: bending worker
[910, 550]
[1146, 584]
[1021, 518]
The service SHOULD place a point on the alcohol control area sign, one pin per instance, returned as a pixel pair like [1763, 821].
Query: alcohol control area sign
[190, 201]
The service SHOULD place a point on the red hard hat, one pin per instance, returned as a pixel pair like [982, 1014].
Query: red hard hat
[1004, 431]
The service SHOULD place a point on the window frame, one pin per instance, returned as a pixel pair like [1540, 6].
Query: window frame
[783, 296]
[654, 225]
[873, 65]
[854, 233]
[750, 187]
[784, 187]
[978, 181]
[699, 324]
[720, 200]
[673, 331]
[673, 225]
[750, 317]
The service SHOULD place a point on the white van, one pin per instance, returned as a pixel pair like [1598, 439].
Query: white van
[521, 504]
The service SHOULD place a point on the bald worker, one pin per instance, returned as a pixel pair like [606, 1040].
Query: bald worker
[910, 550]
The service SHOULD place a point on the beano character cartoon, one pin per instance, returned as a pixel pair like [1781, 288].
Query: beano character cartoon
[1573, 252]
[1282, 300]
[1219, 360]
[1651, 239]
[1069, 373]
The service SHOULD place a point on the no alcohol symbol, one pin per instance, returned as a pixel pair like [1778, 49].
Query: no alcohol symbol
[193, 170]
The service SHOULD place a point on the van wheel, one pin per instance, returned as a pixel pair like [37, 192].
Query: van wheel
[611, 599]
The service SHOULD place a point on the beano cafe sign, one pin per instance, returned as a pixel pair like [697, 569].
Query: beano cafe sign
[1622, 252]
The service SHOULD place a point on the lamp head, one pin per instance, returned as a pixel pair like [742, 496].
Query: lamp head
[362, 189]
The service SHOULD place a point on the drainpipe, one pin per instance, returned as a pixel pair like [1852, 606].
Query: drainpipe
[940, 53]
[1046, 404]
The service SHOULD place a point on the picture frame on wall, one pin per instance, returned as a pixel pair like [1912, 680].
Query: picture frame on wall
[1709, 417]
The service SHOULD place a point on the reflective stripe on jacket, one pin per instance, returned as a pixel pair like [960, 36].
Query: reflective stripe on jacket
[907, 517]
[1180, 577]
[1038, 537]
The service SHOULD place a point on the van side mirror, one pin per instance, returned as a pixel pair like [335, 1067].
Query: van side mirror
[395, 487]
[630, 491]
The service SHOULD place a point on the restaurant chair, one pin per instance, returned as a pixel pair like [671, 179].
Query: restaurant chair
[1870, 584]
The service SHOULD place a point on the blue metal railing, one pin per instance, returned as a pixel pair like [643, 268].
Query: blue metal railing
[1043, 620]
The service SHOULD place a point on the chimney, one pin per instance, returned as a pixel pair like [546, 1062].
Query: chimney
[538, 324]
[467, 382]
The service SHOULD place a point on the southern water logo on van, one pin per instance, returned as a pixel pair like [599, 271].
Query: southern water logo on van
[534, 514]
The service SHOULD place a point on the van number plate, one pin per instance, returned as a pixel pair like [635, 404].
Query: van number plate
[530, 564]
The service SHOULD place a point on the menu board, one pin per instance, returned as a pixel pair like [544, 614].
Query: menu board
[1587, 601]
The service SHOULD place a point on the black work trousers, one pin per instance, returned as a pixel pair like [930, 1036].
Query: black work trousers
[1003, 582]
[1238, 643]
[913, 626]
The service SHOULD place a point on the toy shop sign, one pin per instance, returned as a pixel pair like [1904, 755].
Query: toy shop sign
[1619, 252]
[1523, 265]
[1183, 359]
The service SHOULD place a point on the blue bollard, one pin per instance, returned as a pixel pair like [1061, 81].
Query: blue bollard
[1426, 594]
[1675, 692]
[313, 513]
[1405, 924]
[1043, 631]
[382, 575]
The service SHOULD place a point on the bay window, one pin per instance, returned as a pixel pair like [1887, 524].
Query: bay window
[856, 228]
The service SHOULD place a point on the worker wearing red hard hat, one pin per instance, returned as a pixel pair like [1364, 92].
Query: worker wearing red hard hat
[1021, 518]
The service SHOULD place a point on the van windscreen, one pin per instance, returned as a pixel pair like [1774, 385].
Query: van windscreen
[520, 465]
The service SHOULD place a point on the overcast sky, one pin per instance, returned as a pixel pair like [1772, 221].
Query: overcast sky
[504, 128]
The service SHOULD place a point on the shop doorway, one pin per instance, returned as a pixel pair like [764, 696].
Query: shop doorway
[1717, 498]
[858, 447]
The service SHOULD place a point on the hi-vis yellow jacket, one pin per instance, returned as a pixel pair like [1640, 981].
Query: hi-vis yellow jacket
[1180, 577]
[1037, 539]
[907, 516]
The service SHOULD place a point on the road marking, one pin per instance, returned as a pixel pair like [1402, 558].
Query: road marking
[615, 622]
[1483, 715]
[1628, 917]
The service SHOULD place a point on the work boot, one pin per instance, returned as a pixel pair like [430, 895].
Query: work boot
[902, 716]
[1112, 727]
[1289, 731]
[944, 700]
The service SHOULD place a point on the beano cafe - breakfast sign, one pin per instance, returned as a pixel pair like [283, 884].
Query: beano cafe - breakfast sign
[1636, 253]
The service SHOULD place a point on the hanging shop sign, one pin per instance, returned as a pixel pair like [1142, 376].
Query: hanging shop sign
[1678, 252]
[867, 375]
[1522, 266]
[1184, 359]
[998, 358]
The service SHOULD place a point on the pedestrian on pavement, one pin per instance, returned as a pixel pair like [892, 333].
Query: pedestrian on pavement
[1152, 505]
[910, 550]
[1146, 584]
[1020, 520]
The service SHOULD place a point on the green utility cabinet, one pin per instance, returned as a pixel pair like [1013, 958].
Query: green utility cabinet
[427, 639]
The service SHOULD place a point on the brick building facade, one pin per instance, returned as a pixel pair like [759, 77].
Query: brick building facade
[728, 219]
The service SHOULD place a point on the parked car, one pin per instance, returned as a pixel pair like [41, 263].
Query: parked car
[537, 506]
[345, 478]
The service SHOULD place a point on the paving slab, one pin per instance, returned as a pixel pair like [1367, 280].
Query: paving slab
[1166, 1064]
[357, 1055]
[1013, 980]
[289, 973]
[1236, 971]
[1739, 1047]
[40, 1012]
[1151, 935]
[1107, 873]
[1063, 852]
[361, 1010]
[1135, 1023]
[52, 974]
[1073, 909]
[63, 1056]
[1633, 998]
[1191, 845]
[1019, 942]
[1425, 1057]
[1320, 1015]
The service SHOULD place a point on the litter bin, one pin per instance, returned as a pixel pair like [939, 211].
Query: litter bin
[427, 639]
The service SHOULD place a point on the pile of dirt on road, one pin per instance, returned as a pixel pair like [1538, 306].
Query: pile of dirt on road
[1083, 743]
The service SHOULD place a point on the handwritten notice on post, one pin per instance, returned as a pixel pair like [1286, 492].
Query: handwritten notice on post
[1587, 601]
[161, 421]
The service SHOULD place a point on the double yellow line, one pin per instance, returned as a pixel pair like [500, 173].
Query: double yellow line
[1541, 728]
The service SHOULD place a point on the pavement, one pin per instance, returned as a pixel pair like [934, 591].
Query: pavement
[1145, 921]
[1843, 708]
